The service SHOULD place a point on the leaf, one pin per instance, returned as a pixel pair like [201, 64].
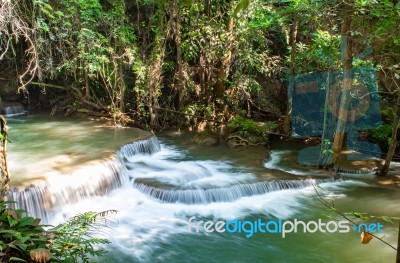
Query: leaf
[25, 221]
[12, 213]
[8, 231]
[365, 237]
[188, 3]
[17, 259]
[358, 215]
[241, 6]
[14, 246]
[388, 219]
[11, 221]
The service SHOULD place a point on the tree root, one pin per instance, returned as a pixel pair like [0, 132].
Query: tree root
[5, 177]
[236, 141]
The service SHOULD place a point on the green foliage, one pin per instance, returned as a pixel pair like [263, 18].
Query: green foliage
[249, 129]
[23, 239]
[368, 217]
[176, 54]
[19, 235]
[382, 134]
[198, 109]
[193, 110]
[270, 126]
[245, 126]
[322, 53]
[242, 5]
[90, 41]
[327, 147]
[74, 240]
[265, 18]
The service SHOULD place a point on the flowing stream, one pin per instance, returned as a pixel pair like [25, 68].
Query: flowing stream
[157, 184]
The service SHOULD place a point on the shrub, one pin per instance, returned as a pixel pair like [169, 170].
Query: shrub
[19, 235]
[250, 130]
[73, 240]
[23, 239]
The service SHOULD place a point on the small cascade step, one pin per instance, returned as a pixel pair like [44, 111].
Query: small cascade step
[148, 146]
[11, 110]
[226, 194]
[40, 199]
[355, 172]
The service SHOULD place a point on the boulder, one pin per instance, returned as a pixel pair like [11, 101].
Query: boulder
[205, 139]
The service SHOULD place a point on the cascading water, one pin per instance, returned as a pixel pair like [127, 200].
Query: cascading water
[134, 165]
[43, 199]
[157, 188]
[14, 110]
[226, 194]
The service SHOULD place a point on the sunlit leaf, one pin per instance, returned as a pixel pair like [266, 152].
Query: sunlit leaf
[365, 237]
[17, 259]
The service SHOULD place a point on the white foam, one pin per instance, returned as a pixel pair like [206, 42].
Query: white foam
[143, 222]
[274, 163]
[164, 168]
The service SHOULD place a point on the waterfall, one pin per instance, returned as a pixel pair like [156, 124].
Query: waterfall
[148, 146]
[225, 194]
[14, 110]
[43, 198]
[40, 199]
[207, 181]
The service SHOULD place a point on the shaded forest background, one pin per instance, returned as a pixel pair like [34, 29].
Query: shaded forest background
[196, 64]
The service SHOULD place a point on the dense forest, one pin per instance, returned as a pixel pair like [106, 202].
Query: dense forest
[203, 64]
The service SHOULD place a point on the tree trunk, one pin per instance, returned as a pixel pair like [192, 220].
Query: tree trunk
[156, 62]
[224, 65]
[155, 68]
[398, 246]
[347, 82]
[207, 7]
[293, 40]
[122, 87]
[323, 157]
[177, 32]
[5, 177]
[393, 140]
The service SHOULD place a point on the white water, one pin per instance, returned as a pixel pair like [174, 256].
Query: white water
[274, 163]
[43, 199]
[150, 230]
[144, 222]
[167, 166]
[14, 110]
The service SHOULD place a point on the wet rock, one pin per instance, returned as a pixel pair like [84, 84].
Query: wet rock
[206, 139]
